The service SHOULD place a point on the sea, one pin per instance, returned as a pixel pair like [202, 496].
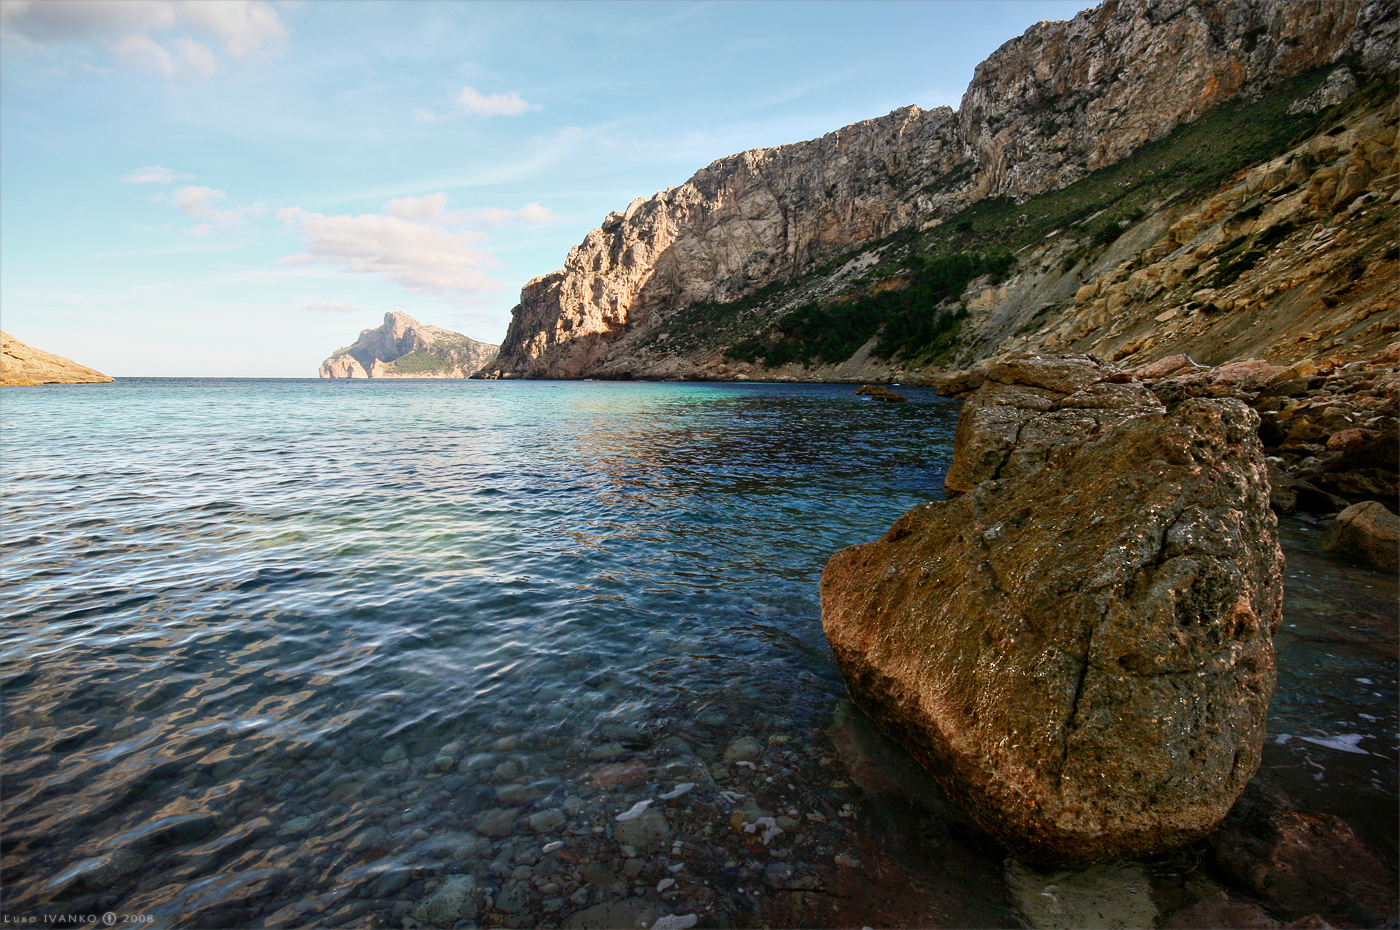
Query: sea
[286, 653]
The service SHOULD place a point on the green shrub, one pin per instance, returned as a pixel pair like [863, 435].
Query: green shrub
[909, 321]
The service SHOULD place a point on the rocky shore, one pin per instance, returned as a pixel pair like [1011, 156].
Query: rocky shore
[22, 364]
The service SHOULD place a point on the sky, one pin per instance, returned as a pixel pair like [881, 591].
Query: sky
[235, 188]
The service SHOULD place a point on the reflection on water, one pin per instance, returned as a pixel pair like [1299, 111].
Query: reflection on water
[283, 653]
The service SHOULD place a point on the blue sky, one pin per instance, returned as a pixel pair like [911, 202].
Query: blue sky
[236, 189]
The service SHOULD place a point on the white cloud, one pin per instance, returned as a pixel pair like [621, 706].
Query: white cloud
[495, 216]
[125, 29]
[206, 203]
[472, 102]
[152, 174]
[245, 28]
[432, 209]
[330, 308]
[475, 103]
[418, 256]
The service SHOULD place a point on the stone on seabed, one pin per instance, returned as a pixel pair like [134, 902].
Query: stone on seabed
[1079, 646]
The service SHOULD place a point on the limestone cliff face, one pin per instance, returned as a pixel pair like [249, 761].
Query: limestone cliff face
[1068, 97]
[24, 364]
[1043, 110]
[404, 348]
[737, 224]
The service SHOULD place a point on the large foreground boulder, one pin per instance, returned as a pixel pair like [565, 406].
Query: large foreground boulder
[1079, 646]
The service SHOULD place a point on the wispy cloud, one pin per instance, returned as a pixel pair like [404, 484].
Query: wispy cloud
[167, 37]
[152, 174]
[472, 102]
[206, 203]
[417, 243]
[432, 209]
[475, 103]
[421, 257]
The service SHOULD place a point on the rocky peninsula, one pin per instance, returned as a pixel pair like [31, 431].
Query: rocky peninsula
[404, 348]
[22, 364]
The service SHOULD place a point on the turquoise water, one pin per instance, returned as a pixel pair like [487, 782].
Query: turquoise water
[282, 653]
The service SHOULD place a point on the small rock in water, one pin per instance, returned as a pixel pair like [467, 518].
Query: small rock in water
[664, 884]
[619, 774]
[635, 811]
[678, 791]
[552, 846]
[512, 899]
[632, 913]
[370, 836]
[99, 873]
[769, 825]
[1116, 896]
[647, 830]
[496, 823]
[454, 900]
[546, 821]
[604, 751]
[743, 749]
[388, 883]
[673, 922]
[393, 754]
[518, 794]
[508, 770]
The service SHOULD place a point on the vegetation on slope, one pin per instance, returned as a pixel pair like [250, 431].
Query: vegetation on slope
[912, 321]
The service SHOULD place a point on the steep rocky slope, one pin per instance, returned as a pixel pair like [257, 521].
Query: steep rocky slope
[665, 287]
[404, 348]
[22, 364]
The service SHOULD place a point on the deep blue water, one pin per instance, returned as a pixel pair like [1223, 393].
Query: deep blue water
[273, 649]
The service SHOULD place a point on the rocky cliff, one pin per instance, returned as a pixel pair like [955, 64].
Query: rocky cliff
[21, 364]
[755, 235]
[404, 348]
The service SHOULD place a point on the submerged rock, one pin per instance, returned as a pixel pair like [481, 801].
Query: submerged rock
[1297, 862]
[880, 392]
[1116, 896]
[1367, 531]
[454, 900]
[1079, 648]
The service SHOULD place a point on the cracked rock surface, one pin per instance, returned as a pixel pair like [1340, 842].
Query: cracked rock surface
[1079, 646]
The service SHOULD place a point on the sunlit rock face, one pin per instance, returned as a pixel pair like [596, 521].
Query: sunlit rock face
[22, 364]
[1078, 646]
